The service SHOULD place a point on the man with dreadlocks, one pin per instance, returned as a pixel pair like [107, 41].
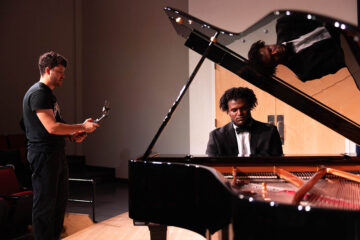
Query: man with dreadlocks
[243, 136]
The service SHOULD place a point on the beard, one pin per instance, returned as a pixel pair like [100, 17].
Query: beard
[56, 82]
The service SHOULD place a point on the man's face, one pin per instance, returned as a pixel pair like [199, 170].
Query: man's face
[273, 54]
[57, 74]
[239, 111]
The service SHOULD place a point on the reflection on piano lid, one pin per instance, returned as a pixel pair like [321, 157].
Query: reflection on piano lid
[320, 98]
[190, 192]
[291, 197]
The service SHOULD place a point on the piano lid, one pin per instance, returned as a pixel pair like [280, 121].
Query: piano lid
[314, 65]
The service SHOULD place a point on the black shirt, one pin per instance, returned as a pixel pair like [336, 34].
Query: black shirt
[40, 96]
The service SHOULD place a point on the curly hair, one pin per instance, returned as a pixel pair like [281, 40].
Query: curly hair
[50, 59]
[235, 93]
[255, 59]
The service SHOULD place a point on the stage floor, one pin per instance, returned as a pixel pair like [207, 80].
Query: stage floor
[121, 228]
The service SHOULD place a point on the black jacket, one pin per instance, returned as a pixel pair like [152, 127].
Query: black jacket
[320, 59]
[264, 141]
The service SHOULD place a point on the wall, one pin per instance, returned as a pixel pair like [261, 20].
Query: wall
[133, 57]
[28, 29]
[125, 52]
[236, 16]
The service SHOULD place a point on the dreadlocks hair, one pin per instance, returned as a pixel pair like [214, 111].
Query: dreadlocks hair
[50, 59]
[235, 93]
[255, 59]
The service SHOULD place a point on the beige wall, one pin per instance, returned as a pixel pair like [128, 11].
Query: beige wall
[133, 57]
[237, 15]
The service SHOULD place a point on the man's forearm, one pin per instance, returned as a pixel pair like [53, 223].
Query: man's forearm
[59, 128]
[47, 119]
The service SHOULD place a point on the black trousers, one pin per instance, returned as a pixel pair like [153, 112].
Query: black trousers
[50, 176]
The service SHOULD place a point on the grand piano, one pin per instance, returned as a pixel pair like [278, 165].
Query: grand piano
[287, 197]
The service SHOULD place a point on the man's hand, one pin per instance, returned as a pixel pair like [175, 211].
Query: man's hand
[78, 137]
[89, 125]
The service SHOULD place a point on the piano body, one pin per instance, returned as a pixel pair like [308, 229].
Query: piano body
[287, 197]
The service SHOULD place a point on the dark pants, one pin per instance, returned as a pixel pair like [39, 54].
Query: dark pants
[50, 188]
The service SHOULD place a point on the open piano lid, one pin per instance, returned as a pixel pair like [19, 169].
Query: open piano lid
[328, 93]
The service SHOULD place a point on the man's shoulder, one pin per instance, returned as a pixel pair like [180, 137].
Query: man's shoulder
[35, 88]
[262, 125]
[38, 88]
[223, 129]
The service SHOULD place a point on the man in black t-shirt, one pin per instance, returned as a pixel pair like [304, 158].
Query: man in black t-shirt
[46, 133]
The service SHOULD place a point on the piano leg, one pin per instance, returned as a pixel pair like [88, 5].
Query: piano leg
[224, 234]
[207, 235]
[157, 231]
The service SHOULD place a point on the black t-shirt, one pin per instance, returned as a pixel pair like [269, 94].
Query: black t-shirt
[40, 96]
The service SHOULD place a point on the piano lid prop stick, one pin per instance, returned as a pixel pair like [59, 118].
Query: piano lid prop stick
[308, 185]
[178, 99]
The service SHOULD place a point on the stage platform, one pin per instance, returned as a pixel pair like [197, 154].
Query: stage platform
[121, 228]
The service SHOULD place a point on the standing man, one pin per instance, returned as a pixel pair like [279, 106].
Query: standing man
[243, 136]
[46, 133]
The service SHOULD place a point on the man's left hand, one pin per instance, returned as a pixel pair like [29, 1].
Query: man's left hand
[78, 137]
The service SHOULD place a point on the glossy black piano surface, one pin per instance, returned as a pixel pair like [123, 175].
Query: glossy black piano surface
[254, 194]
[187, 192]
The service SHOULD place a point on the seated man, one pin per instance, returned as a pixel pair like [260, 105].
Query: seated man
[243, 136]
[306, 47]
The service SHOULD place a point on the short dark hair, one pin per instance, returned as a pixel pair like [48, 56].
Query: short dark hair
[236, 93]
[50, 59]
[255, 59]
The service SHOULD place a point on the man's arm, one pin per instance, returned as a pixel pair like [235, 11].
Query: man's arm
[211, 149]
[275, 143]
[47, 119]
[77, 137]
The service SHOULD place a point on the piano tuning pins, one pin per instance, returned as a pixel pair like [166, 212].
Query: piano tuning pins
[179, 20]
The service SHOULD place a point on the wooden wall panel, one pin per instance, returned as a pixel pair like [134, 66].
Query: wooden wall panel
[303, 135]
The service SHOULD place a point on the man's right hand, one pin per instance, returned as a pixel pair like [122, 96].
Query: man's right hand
[89, 125]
